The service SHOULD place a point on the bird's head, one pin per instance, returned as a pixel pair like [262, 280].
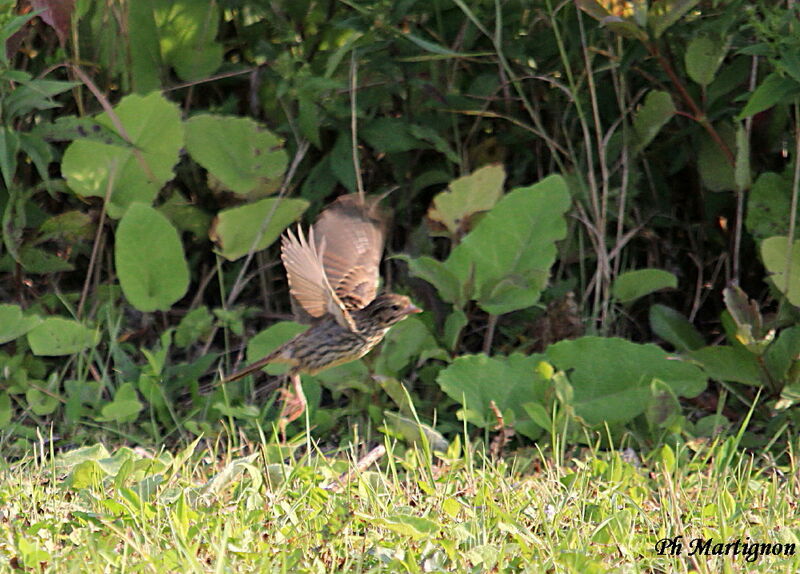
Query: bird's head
[389, 308]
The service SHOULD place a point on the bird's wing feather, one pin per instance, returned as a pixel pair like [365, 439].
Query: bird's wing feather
[353, 231]
[308, 283]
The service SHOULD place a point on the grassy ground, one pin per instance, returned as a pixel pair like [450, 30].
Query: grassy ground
[226, 508]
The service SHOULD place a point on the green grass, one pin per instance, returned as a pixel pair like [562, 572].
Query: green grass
[225, 508]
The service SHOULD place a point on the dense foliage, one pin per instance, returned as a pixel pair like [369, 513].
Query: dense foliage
[595, 203]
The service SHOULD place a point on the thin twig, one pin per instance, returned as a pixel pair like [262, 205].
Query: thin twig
[354, 124]
[112, 175]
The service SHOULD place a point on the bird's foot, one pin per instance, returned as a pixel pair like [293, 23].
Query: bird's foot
[294, 405]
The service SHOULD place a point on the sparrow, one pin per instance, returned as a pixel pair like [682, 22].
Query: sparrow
[333, 277]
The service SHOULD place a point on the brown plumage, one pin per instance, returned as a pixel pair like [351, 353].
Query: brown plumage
[333, 280]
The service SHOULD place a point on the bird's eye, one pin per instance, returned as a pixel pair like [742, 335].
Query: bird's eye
[395, 307]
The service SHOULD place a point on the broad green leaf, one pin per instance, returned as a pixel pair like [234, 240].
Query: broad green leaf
[187, 216]
[404, 343]
[341, 161]
[40, 402]
[453, 325]
[775, 256]
[187, 30]
[56, 336]
[466, 196]
[774, 89]
[509, 253]
[238, 228]
[703, 58]
[13, 324]
[656, 111]
[390, 135]
[149, 258]
[154, 127]
[239, 152]
[711, 425]
[733, 364]
[782, 355]
[715, 169]
[68, 128]
[125, 407]
[308, 119]
[145, 52]
[68, 460]
[474, 381]
[769, 205]
[36, 260]
[437, 274]
[611, 377]
[70, 226]
[632, 285]
[674, 328]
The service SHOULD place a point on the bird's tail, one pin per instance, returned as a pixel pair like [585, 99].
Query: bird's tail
[277, 356]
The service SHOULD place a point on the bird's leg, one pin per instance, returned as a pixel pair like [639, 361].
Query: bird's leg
[294, 404]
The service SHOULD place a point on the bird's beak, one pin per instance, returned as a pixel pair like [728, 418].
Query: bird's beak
[411, 309]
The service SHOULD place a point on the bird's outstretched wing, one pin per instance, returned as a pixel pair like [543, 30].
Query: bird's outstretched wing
[308, 284]
[352, 232]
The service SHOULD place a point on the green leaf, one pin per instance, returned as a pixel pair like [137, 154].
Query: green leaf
[611, 377]
[390, 135]
[775, 255]
[467, 196]
[145, 52]
[414, 527]
[703, 58]
[769, 205]
[437, 274]
[13, 324]
[239, 152]
[632, 285]
[656, 111]
[9, 147]
[41, 403]
[341, 161]
[473, 381]
[715, 169]
[404, 343]
[733, 364]
[149, 259]
[125, 407]
[774, 89]
[674, 328]
[5, 410]
[154, 127]
[238, 228]
[188, 30]
[57, 336]
[665, 13]
[195, 325]
[409, 430]
[509, 253]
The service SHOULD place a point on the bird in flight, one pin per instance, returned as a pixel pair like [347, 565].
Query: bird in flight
[333, 281]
